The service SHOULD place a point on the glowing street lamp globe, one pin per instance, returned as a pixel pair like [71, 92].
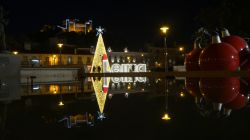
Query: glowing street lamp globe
[164, 29]
[181, 49]
[15, 52]
[61, 103]
[60, 45]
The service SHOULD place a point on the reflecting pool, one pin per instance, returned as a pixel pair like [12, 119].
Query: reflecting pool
[154, 109]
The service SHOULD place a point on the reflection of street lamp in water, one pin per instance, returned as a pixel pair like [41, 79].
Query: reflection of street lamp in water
[61, 103]
[61, 98]
[166, 115]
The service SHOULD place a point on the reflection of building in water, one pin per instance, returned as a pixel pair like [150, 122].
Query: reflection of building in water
[116, 88]
[78, 120]
[57, 88]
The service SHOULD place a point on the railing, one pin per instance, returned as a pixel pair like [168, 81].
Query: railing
[27, 64]
[172, 74]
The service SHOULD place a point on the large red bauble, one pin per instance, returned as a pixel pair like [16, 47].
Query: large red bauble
[237, 42]
[192, 60]
[220, 90]
[219, 56]
[239, 102]
[192, 86]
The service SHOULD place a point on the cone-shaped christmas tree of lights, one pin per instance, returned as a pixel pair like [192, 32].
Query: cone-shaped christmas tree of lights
[100, 64]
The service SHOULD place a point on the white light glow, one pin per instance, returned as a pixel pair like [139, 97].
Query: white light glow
[116, 68]
[166, 117]
[15, 52]
[61, 103]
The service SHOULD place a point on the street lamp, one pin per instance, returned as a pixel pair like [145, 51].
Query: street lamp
[85, 29]
[54, 60]
[61, 98]
[60, 49]
[181, 49]
[15, 52]
[164, 30]
[109, 54]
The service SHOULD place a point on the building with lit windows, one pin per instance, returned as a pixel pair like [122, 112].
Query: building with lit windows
[175, 57]
[152, 60]
[50, 60]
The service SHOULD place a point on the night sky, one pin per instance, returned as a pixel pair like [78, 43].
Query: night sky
[131, 22]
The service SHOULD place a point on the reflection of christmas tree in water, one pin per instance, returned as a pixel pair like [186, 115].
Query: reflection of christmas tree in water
[100, 65]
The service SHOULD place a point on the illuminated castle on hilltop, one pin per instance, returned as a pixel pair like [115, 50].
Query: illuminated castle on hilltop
[74, 25]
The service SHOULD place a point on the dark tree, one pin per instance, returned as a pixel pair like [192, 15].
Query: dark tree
[230, 14]
[3, 23]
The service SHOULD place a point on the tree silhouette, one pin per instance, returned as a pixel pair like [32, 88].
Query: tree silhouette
[230, 14]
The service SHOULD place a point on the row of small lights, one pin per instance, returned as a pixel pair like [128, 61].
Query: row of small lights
[109, 50]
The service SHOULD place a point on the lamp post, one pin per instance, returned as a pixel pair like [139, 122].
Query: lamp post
[54, 60]
[85, 29]
[60, 49]
[109, 55]
[164, 30]
[181, 49]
